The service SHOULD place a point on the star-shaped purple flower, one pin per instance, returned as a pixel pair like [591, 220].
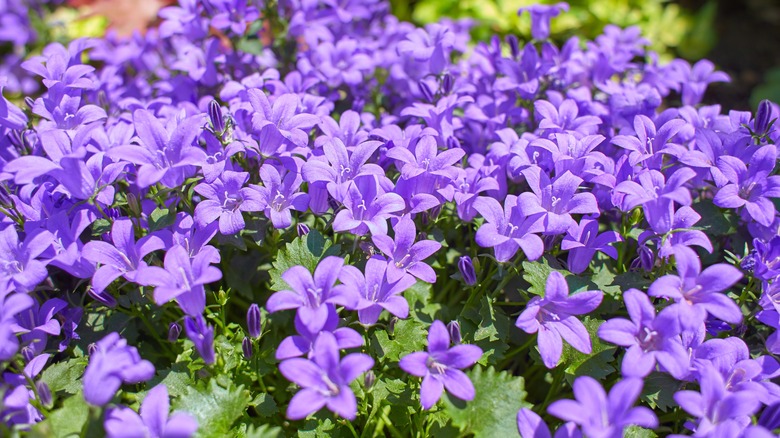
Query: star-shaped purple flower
[406, 256]
[153, 420]
[440, 367]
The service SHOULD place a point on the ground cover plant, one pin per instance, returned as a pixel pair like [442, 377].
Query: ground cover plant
[297, 217]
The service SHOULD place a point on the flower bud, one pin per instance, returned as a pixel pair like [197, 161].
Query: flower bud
[426, 91]
[102, 297]
[447, 83]
[44, 394]
[466, 268]
[454, 328]
[514, 45]
[369, 379]
[29, 102]
[28, 353]
[246, 346]
[763, 115]
[302, 229]
[253, 321]
[174, 330]
[91, 349]
[215, 115]
[749, 262]
[770, 418]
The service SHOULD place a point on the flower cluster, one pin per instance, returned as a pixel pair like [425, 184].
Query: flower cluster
[246, 159]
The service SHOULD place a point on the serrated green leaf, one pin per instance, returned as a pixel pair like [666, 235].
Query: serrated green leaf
[215, 408]
[659, 390]
[257, 431]
[161, 218]
[421, 307]
[597, 364]
[265, 405]
[537, 272]
[409, 335]
[306, 251]
[488, 328]
[323, 428]
[176, 379]
[100, 227]
[714, 220]
[493, 412]
[638, 432]
[65, 376]
[67, 421]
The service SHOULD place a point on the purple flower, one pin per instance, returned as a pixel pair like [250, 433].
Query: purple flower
[531, 425]
[112, 363]
[153, 420]
[648, 337]
[555, 200]
[123, 258]
[466, 268]
[341, 167]
[698, 293]
[507, 229]
[226, 199]
[553, 317]
[165, 155]
[697, 78]
[253, 321]
[751, 187]
[714, 405]
[406, 256]
[648, 142]
[602, 415]
[441, 366]
[182, 279]
[430, 45]
[315, 296]
[11, 304]
[325, 379]
[427, 159]
[300, 344]
[282, 116]
[541, 16]
[19, 269]
[280, 195]
[202, 335]
[376, 291]
[341, 63]
[38, 322]
[582, 242]
[367, 210]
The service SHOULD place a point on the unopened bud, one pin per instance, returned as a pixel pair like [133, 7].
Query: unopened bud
[446, 83]
[514, 45]
[246, 346]
[770, 418]
[29, 102]
[763, 115]
[102, 297]
[44, 394]
[369, 379]
[174, 330]
[253, 321]
[91, 349]
[454, 328]
[215, 115]
[28, 353]
[466, 268]
[426, 91]
[302, 229]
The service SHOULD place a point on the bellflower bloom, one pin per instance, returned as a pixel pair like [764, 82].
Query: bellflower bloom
[19, 268]
[440, 367]
[282, 116]
[555, 200]
[325, 379]
[300, 344]
[113, 363]
[122, 259]
[340, 166]
[313, 297]
[182, 279]
[376, 291]
[531, 425]
[153, 420]
[507, 229]
[541, 16]
[225, 199]
[582, 242]
[406, 256]
[751, 186]
[279, 194]
[698, 78]
[11, 304]
[367, 209]
[698, 293]
[648, 337]
[553, 317]
[714, 405]
[602, 415]
[202, 335]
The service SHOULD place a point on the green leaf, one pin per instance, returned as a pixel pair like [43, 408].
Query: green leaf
[100, 227]
[215, 408]
[638, 432]
[714, 220]
[598, 364]
[306, 251]
[488, 328]
[67, 421]
[408, 335]
[265, 405]
[493, 411]
[536, 274]
[176, 379]
[161, 218]
[421, 306]
[659, 390]
[257, 431]
[65, 376]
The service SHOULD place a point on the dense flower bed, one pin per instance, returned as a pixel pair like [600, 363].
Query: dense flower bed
[364, 228]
